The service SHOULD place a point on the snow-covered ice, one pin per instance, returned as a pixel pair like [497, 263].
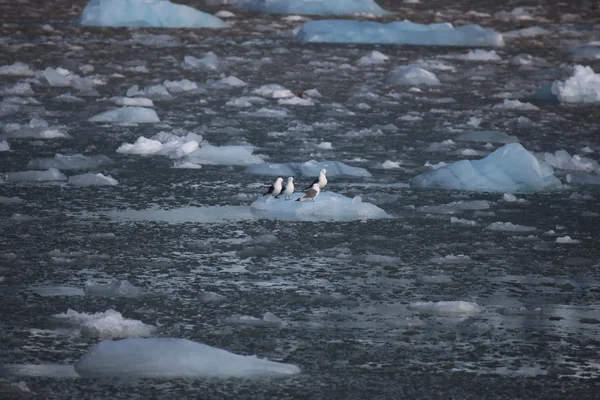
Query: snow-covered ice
[373, 58]
[400, 32]
[51, 174]
[106, 325]
[411, 75]
[313, 7]
[273, 91]
[115, 288]
[510, 168]
[173, 358]
[67, 162]
[446, 308]
[582, 87]
[146, 13]
[133, 101]
[308, 169]
[127, 115]
[92, 180]
[17, 69]
[326, 207]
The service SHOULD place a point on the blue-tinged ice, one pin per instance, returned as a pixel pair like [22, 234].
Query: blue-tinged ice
[411, 75]
[138, 115]
[313, 7]
[328, 206]
[399, 32]
[66, 162]
[173, 358]
[146, 13]
[309, 169]
[510, 168]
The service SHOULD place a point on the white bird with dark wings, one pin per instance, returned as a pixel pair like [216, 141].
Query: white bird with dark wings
[288, 190]
[321, 180]
[275, 189]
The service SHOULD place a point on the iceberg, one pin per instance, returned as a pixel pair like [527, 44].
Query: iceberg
[138, 115]
[411, 75]
[309, 169]
[582, 87]
[327, 206]
[173, 358]
[399, 32]
[313, 7]
[64, 162]
[146, 13]
[510, 168]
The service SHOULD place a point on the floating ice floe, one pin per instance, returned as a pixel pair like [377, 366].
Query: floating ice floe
[486, 137]
[106, 325]
[92, 180]
[561, 159]
[173, 358]
[583, 178]
[582, 87]
[116, 288]
[146, 13]
[133, 101]
[456, 207]
[17, 69]
[517, 14]
[209, 61]
[515, 105]
[61, 77]
[18, 89]
[509, 227]
[273, 91]
[404, 32]
[411, 75]
[51, 174]
[309, 169]
[590, 51]
[526, 32]
[224, 155]
[67, 162]
[313, 7]
[445, 308]
[373, 58]
[36, 129]
[326, 207]
[510, 168]
[10, 200]
[227, 82]
[137, 115]
[4, 146]
[477, 55]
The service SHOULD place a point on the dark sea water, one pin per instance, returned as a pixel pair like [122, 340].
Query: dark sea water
[342, 289]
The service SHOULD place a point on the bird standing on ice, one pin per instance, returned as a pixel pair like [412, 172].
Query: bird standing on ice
[321, 180]
[275, 189]
[288, 190]
[311, 193]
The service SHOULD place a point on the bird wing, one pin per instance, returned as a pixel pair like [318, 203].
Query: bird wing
[310, 193]
[270, 190]
[310, 186]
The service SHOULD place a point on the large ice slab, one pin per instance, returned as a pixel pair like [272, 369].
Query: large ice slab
[399, 32]
[582, 87]
[67, 162]
[309, 169]
[128, 115]
[510, 168]
[146, 13]
[313, 7]
[327, 206]
[173, 358]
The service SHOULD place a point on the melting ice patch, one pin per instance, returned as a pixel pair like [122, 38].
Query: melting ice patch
[445, 308]
[171, 358]
[146, 13]
[510, 168]
[137, 115]
[309, 169]
[400, 32]
[106, 325]
[313, 7]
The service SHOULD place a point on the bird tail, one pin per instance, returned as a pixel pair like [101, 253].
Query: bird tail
[300, 198]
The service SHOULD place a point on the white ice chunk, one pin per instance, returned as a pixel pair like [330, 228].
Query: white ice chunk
[452, 259]
[445, 308]
[517, 14]
[411, 75]
[566, 239]
[66, 162]
[133, 101]
[295, 101]
[173, 358]
[127, 115]
[389, 164]
[186, 165]
[116, 288]
[462, 221]
[582, 178]
[561, 159]
[309, 169]
[456, 207]
[404, 32]
[313, 7]
[273, 91]
[4, 146]
[51, 174]
[509, 227]
[106, 325]
[225, 14]
[526, 32]
[55, 78]
[373, 58]
[477, 55]
[327, 206]
[92, 180]
[510, 168]
[209, 61]
[224, 155]
[181, 86]
[18, 89]
[17, 69]
[146, 13]
[515, 105]
[37, 128]
[582, 87]
[486, 137]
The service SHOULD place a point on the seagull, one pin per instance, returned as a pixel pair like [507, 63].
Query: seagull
[322, 180]
[275, 188]
[311, 193]
[288, 190]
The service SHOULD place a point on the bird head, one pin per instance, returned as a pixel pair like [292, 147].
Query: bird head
[323, 171]
[279, 179]
[290, 179]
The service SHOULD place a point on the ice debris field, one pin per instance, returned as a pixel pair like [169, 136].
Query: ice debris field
[322, 192]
